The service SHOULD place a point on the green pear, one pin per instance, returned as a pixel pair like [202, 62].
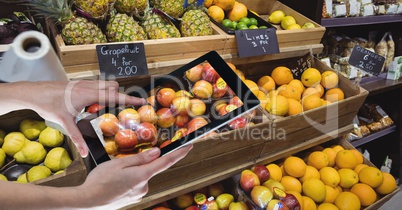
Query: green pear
[13, 142]
[38, 172]
[2, 177]
[22, 178]
[51, 137]
[57, 159]
[32, 153]
[2, 157]
[2, 135]
[32, 128]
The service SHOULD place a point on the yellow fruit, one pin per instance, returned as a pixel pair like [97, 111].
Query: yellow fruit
[334, 95]
[2, 157]
[345, 159]
[287, 21]
[295, 107]
[327, 206]
[337, 148]
[263, 98]
[254, 12]
[208, 3]
[274, 171]
[347, 201]
[320, 89]
[297, 84]
[225, 4]
[371, 176]
[277, 105]
[329, 79]
[348, 178]
[311, 102]
[2, 177]
[331, 154]
[388, 185]
[13, 142]
[311, 77]
[315, 189]
[252, 86]
[366, 194]
[308, 25]
[240, 74]
[289, 91]
[311, 172]
[293, 26]
[310, 91]
[276, 17]
[294, 166]
[317, 159]
[360, 167]
[216, 13]
[329, 176]
[330, 194]
[291, 184]
[38, 172]
[358, 155]
[238, 12]
[266, 83]
[308, 203]
[282, 75]
[298, 197]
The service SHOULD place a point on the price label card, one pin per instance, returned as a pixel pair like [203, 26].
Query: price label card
[121, 60]
[254, 42]
[366, 60]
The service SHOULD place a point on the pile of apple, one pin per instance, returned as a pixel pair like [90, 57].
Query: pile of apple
[172, 112]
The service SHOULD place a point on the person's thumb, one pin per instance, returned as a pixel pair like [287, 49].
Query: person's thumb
[141, 158]
[76, 137]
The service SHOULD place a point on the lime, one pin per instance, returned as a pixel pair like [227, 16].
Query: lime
[245, 20]
[241, 25]
[263, 27]
[233, 25]
[276, 17]
[226, 22]
[253, 21]
[253, 27]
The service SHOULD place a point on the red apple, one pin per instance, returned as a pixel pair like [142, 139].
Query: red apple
[209, 73]
[236, 101]
[248, 180]
[181, 120]
[262, 172]
[94, 108]
[165, 118]
[193, 207]
[197, 108]
[218, 104]
[202, 89]
[181, 105]
[146, 132]
[220, 88]
[238, 123]
[261, 195]
[291, 201]
[129, 118]
[126, 139]
[165, 96]
[147, 114]
[151, 100]
[195, 73]
[195, 124]
[109, 124]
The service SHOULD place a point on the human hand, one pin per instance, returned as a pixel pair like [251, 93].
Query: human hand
[120, 182]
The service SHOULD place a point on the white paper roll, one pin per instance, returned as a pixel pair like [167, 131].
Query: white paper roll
[31, 57]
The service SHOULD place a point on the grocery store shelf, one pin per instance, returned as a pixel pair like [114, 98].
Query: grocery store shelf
[373, 136]
[353, 21]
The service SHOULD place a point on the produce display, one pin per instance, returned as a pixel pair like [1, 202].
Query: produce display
[13, 25]
[32, 152]
[287, 22]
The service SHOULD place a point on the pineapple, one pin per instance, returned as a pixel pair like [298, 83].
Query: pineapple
[122, 27]
[75, 30]
[157, 27]
[195, 22]
[131, 6]
[97, 9]
[174, 8]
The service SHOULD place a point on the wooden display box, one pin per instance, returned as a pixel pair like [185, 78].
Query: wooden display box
[73, 175]
[76, 58]
[286, 38]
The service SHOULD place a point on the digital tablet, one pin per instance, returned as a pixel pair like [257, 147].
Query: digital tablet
[191, 102]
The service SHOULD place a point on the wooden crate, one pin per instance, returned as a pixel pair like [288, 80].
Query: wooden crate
[73, 175]
[286, 38]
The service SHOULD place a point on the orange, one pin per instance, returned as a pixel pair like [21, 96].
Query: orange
[263, 98]
[291, 184]
[330, 194]
[295, 107]
[345, 159]
[325, 102]
[366, 194]
[225, 4]
[315, 189]
[309, 91]
[317, 159]
[266, 83]
[298, 197]
[308, 203]
[240, 74]
[358, 155]
[272, 93]
[252, 86]
[298, 84]
[283, 171]
[230, 64]
[274, 171]
[331, 154]
[311, 77]
[320, 89]
[371, 176]
[277, 105]
[282, 75]
[347, 201]
[330, 176]
[337, 147]
[208, 3]
[360, 167]
[238, 11]
[329, 79]
[388, 185]
[216, 13]
[311, 172]
[294, 166]
[289, 91]
[348, 178]
[327, 206]
[311, 102]
[334, 94]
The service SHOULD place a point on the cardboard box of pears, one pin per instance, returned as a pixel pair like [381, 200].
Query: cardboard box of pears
[32, 152]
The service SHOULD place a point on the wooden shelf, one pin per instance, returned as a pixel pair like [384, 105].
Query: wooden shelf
[373, 136]
[377, 85]
[354, 21]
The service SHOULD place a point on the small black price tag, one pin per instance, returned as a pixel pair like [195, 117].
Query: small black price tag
[366, 60]
[254, 42]
[121, 60]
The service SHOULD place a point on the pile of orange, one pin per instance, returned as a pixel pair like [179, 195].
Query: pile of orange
[333, 177]
[220, 9]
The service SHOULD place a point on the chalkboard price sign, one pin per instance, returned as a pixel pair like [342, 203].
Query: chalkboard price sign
[254, 42]
[366, 60]
[121, 60]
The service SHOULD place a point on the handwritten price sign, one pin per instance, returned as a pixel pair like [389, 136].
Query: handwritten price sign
[366, 60]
